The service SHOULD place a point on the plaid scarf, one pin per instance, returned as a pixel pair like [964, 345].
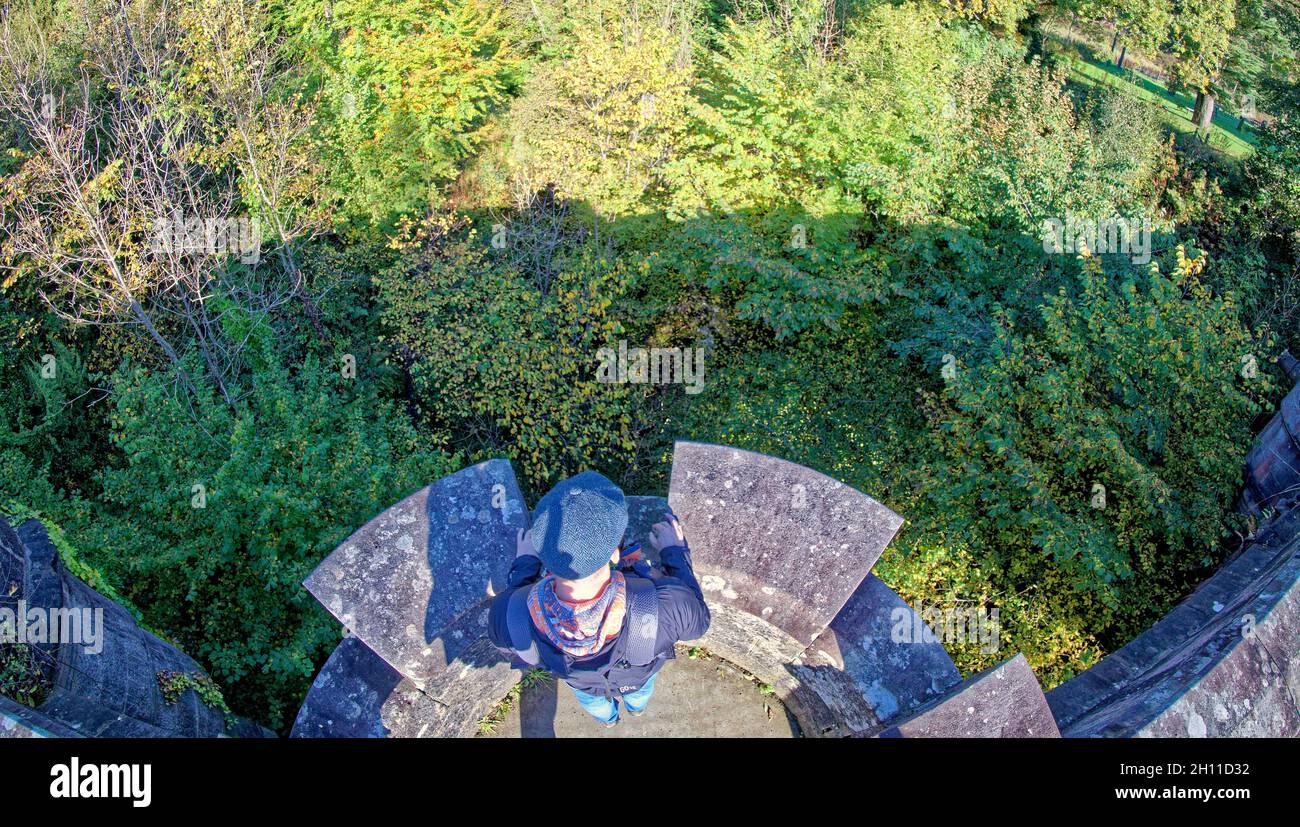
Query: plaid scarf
[579, 628]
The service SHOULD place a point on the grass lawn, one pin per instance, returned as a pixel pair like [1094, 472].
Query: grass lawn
[1087, 70]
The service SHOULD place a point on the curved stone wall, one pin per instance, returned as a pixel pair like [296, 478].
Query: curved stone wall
[412, 589]
[783, 554]
[105, 685]
[1225, 661]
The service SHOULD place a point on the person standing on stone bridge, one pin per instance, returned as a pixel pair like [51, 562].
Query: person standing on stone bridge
[591, 612]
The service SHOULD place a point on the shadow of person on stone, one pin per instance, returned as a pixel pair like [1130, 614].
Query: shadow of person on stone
[477, 508]
[537, 707]
[347, 700]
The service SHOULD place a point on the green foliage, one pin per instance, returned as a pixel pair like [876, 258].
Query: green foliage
[173, 684]
[1274, 176]
[1106, 442]
[21, 675]
[17, 513]
[1259, 51]
[1129, 151]
[506, 366]
[1031, 158]
[406, 88]
[1258, 235]
[1143, 25]
[52, 415]
[602, 121]
[217, 515]
[1200, 38]
[903, 132]
[761, 131]
[785, 269]
[998, 14]
[1046, 618]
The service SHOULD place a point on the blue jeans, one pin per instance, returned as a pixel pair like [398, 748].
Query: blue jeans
[606, 711]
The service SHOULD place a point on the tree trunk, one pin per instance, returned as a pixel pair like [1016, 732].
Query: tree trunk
[1124, 51]
[138, 311]
[309, 306]
[201, 326]
[1114, 41]
[1203, 112]
[1207, 111]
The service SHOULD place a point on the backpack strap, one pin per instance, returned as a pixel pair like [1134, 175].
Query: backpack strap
[642, 621]
[520, 624]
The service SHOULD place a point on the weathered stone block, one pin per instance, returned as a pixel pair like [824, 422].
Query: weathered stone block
[103, 666]
[1234, 674]
[1220, 663]
[1273, 464]
[348, 696]
[359, 695]
[750, 642]
[42, 580]
[114, 692]
[405, 583]
[1003, 702]
[893, 677]
[775, 539]
[92, 720]
[18, 721]
[1252, 692]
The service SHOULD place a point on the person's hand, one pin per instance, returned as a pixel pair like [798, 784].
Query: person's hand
[667, 533]
[524, 544]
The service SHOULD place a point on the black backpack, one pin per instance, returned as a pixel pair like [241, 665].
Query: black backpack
[642, 624]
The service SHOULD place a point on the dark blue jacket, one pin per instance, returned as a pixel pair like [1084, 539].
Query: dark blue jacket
[682, 616]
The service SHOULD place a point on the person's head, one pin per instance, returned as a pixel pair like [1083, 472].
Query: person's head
[578, 525]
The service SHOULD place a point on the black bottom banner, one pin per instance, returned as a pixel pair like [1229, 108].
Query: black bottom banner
[436, 779]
